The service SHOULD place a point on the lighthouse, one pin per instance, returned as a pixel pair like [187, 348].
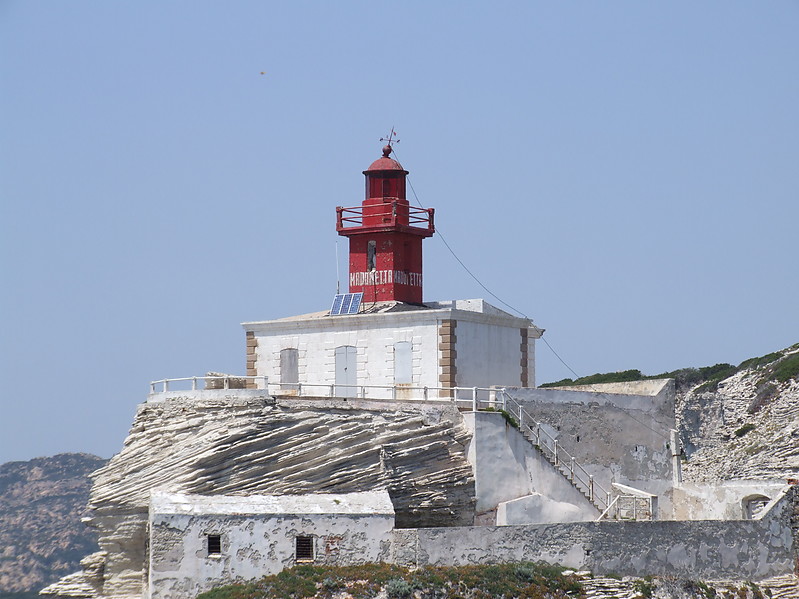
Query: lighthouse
[387, 343]
[386, 234]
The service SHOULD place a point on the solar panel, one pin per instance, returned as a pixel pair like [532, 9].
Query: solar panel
[346, 303]
[335, 310]
[356, 303]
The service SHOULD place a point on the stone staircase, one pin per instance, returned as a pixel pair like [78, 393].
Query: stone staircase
[560, 459]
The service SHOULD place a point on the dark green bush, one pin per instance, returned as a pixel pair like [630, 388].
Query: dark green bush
[786, 369]
[398, 588]
[522, 580]
[761, 361]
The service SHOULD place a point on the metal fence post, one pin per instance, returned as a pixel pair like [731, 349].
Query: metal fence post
[474, 399]
[194, 383]
[555, 451]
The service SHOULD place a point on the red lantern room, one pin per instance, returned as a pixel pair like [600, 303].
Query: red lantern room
[386, 235]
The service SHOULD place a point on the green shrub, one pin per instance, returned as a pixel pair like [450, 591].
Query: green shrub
[744, 429]
[398, 588]
[645, 587]
[761, 361]
[523, 580]
[506, 415]
[786, 369]
[707, 591]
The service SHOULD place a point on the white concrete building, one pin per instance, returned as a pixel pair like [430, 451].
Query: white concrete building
[393, 350]
[199, 542]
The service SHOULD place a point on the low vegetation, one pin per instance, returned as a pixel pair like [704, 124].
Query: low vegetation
[778, 367]
[506, 415]
[519, 580]
[744, 429]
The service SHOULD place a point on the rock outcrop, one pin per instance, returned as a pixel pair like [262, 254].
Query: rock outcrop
[242, 445]
[41, 535]
[747, 427]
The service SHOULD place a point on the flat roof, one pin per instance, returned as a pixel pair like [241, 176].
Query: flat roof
[363, 503]
[466, 306]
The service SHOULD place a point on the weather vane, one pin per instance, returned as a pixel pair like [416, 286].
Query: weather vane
[390, 139]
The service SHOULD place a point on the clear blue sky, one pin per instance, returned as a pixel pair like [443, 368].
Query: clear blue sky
[625, 173]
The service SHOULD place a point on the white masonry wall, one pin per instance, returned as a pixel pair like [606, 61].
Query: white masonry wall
[487, 346]
[258, 544]
[514, 484]
[316, 348]
[487, 352]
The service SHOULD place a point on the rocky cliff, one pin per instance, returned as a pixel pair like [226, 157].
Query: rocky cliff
[254, 445]
[41, 535]
[743, 423]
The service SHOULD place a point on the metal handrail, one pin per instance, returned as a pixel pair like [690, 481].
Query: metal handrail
[470, 396]
[226, 379]
[354, 216]
[560, 458]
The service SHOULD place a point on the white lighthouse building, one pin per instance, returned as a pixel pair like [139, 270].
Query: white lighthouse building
[381, 340]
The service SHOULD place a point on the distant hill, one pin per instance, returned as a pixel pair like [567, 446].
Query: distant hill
[41, 535]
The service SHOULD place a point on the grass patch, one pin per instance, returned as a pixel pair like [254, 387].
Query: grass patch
[645, 587]
[786, 369]
[744, 429]
[523, 580]
[595, 379]
[506, 415]
[761, 361]
[707, 591]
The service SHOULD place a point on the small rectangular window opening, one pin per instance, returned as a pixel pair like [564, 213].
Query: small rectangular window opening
[214, 544]
[371, 252]
[304, 549]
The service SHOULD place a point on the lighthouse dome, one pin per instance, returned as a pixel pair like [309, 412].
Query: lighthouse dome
[384, 163]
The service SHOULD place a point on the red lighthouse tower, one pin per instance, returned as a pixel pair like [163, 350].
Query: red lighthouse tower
[386, 235]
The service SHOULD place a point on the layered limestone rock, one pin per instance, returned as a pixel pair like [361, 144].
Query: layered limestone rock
[240, 444]
[747, 428]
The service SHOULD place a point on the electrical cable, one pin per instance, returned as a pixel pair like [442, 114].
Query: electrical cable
[471, 274]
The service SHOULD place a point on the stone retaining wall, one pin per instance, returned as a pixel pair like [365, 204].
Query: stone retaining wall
[708, 549]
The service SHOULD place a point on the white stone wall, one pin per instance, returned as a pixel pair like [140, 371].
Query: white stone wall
[708, 549]
[316, 346]
[487, 354]
[258, 544]
[622, 438]
[512, 477]
[488, 346]
[254, 546]
[723, 501]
